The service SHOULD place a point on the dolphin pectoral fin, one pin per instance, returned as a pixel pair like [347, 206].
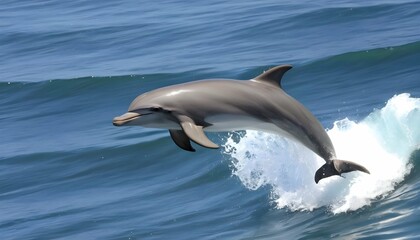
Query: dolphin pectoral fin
[196, 134]
[181, 140]
[337, 167]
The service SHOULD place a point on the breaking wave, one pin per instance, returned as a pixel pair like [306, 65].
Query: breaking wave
[383, 142]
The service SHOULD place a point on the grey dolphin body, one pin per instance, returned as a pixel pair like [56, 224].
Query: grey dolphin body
[189, 109]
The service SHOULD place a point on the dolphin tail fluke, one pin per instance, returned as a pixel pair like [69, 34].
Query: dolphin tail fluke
[343, 166]
[337, 167]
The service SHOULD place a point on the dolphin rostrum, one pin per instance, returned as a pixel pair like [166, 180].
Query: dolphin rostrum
[217, 105]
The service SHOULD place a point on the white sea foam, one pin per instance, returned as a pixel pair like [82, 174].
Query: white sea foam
[383, 143]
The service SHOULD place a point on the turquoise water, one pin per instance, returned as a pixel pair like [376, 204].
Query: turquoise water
[68, 68]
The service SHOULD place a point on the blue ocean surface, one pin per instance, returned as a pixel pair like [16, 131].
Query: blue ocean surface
[67, 68]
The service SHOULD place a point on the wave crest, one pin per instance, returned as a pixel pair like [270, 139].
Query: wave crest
[382, 142]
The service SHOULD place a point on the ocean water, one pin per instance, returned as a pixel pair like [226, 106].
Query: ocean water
[68, 67]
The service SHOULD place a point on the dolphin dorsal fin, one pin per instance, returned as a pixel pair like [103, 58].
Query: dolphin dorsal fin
[273, 76]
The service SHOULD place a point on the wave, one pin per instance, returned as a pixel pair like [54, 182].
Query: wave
[370, 57]
[385, 57]
[383, 142]
[349, 13]
[408, 52]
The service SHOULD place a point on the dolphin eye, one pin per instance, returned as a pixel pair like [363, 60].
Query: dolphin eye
[155, 109]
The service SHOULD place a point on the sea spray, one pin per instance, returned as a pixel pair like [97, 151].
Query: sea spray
[382, 142]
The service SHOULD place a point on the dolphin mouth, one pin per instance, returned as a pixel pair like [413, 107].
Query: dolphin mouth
[125, 118]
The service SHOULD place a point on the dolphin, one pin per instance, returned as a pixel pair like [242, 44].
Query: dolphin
[219, 105]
